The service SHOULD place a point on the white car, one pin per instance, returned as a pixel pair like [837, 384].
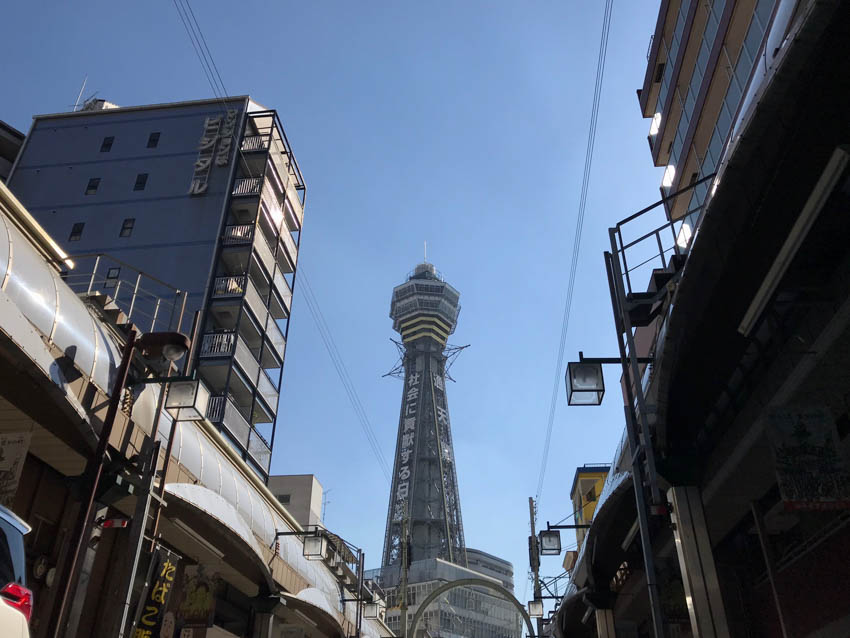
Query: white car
[15, 598]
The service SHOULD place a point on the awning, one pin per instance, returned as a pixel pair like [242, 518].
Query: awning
[217, 522]
[314, 606]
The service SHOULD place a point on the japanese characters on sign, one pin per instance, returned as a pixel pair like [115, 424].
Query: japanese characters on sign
[811, 472]
[222, 158]
[214, 132]
[155, 601]
[406, 446]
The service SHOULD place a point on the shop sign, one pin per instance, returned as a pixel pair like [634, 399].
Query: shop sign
[155, 601]
[197, 607]
[811, 472]
[13, 453]
[217, 134]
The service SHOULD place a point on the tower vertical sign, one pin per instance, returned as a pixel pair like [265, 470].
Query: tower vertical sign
[406, 444]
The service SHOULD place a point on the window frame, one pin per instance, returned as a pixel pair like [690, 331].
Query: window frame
[76, 231]
[141, 185]
[129, 227]
[153, 139]
[92, 186]
[106, 145]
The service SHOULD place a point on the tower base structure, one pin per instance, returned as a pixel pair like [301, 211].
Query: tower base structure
[468, 612]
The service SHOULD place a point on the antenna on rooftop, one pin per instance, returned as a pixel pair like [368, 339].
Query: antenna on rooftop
[426, 250]
[80, 94]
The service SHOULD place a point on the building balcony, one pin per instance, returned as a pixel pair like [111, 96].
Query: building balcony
[252, 143]
[238, 234]
[223, 412]
[229, 286]
[247, 186]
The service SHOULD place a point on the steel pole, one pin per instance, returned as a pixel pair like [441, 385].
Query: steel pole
[92, 474]
[634, 447]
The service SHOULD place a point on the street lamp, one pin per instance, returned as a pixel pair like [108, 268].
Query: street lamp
[153, 346]
[315, 547]
[585, 383]
[550, 542]
[187, 401]
[371, 610]
[535, 608]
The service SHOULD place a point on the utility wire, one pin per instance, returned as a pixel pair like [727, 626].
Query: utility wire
[205, 57]
[342, 372]
[588, 162]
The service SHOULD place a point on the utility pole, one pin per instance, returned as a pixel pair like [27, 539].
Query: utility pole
[534, 561]
[403, 585]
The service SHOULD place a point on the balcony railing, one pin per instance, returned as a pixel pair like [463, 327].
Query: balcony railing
[255, 143]
[229, 286]
[238, 234]
[291, 248]
[218, 344]
[248, 186]
[260, 450]
[221, 410]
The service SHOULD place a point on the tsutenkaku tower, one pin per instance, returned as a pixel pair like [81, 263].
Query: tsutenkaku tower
[424, 311]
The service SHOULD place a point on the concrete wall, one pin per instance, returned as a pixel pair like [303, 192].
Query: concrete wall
[304, 493]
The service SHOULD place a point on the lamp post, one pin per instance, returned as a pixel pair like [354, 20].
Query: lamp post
[317, 546]
[185, 399]
[171, 346]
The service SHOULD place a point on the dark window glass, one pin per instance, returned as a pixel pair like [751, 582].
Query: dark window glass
[141, 180]
[111, 277]
[107, 144]
[127, 227]
[91, 188]
[76, 231]
[153, 140]
[284, 498]
[659, 72]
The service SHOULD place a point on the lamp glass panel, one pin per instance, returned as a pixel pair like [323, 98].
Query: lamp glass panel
[585, 383]
[315, 547]
[181, 394]
[550, 542]
[535, 608]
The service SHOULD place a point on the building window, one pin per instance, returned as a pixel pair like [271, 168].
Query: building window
[153, 140]
[127, 227]
[107, 144]
[284, 498]
[112, 277]
[141, 180]
[91, 188]
[76, 232]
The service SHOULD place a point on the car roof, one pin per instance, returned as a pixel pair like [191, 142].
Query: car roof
[16, 521]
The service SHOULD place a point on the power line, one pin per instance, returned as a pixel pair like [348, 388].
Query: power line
[588, 162]
[342, 372]
[205, 57]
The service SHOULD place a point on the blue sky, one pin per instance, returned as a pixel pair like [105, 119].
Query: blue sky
[460, 123]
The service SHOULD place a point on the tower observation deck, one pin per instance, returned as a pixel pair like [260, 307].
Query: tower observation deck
[424, 491]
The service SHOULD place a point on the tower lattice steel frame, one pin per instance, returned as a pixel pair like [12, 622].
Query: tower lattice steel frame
[424, 491]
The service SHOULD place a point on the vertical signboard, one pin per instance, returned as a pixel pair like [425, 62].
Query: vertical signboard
[13, 453]
[811, 472]
[155, 599]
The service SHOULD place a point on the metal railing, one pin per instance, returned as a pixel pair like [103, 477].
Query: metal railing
[217, 344]
[238, 234]
[656, 247]
[233, 286]
[132, 295]
[215, 409]
[248, 186]
[255, 143]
